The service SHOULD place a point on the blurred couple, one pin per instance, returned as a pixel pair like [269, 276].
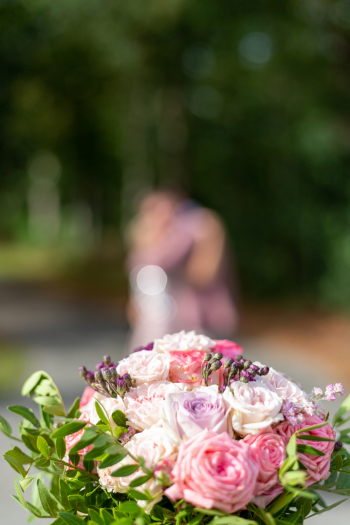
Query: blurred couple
[180, 270]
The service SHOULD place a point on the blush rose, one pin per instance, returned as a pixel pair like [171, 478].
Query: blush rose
[145, 367]
[214, 471]
[269, 452]
[143, 404]
[317, 466]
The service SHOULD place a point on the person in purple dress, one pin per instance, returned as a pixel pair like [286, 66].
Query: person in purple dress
[181, 276]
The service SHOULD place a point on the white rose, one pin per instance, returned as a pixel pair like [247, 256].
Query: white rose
[143, 404]
[186, 414]
[145, 367]
[152, 445]
[254, 406]
[183, 341]
[285, 387]
[110, 404]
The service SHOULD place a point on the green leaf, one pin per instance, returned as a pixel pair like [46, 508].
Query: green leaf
[27, 413]
[232, 520]
[311, 437]
[75, 458]
[87, 438]
[127, 470]
[338, 462]
[140, 481]
[26, 482]
[65, 491]
[288, 464]
[112, 459]
[102, 414]
[138, 495]
[5, 426]
[55, 410]
[344, 407]
[157, 514]
[306, 508]
[88, 464]
[43, 446]
[97, 451]
[119, 431]
[48, 502]
[308, 449]
[30, 384]
[313, 427]
[292, 446]
[68, 429]
[28, 506]
[75, 406]
[96, 517]
[210, 512]
[42, 462]
[60, 444]
[71, 519]
[19, 455]
[129, 507]
[47, 400]
[108, 518]
[330, 507]
[15, 464]
[30, 442]
[119, 418]
[296, 477]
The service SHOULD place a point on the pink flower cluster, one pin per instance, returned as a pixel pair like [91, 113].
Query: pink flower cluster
[213, 443]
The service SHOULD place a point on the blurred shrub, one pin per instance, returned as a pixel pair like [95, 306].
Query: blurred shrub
[245, 105]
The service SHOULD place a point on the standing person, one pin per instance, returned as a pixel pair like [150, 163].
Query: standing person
[180, 274]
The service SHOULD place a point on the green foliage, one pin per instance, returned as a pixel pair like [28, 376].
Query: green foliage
[66, 494]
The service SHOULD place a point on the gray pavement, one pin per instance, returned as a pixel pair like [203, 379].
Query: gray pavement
[58, 336]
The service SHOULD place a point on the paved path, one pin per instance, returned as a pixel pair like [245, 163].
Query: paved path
[59, 335]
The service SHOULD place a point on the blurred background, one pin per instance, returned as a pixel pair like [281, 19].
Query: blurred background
[162, 162]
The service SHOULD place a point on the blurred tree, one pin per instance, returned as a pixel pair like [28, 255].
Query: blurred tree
[246, 106]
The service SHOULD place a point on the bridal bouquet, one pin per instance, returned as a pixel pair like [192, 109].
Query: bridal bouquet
[183, 431]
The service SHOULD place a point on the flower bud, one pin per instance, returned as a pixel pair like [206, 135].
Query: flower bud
[238, 358]
[264, 371]
[98, 376]
[216, 365]
[106, 374]
[114, 373]
[107, 359]
[228, 362]
[218, 355]
[83, 371]
[244, 379]
[247, 365]
[207, 357]
[127, 379]
[337, 446]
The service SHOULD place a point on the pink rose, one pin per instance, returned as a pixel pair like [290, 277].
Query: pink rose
[268, 452]
[214, 471]
[317, 466]
[227, 348]
[264, 499]
[88, 394]
[255, 406]
[185, 367]
[143, 404]
[145, 367]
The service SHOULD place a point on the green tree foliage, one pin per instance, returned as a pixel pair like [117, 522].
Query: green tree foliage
[245, 105]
